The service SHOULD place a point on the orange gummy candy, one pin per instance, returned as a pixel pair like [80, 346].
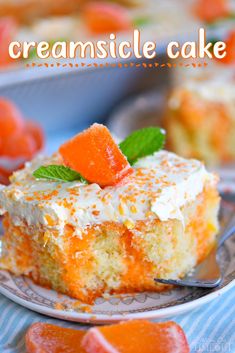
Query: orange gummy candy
[211, 10]
[35, 130]
[19, 145]
[104, 17]
[46, 338]
[95, 155]
[136, 336]
[230, 42]
[11, 121]
[8, 30]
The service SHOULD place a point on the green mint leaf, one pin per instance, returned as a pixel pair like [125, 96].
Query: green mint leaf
[32, 54]
[142, 143]
[222, 20]
[59, 173]
[141, 21]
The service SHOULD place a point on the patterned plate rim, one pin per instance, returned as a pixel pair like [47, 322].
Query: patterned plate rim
[104, 318]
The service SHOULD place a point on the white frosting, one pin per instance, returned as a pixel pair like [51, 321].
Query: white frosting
[214, 90]
[160, 185]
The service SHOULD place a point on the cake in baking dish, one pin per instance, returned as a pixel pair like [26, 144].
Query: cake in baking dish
[85, 240]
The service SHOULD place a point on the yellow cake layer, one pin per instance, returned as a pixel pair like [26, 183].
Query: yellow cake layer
[109, 257]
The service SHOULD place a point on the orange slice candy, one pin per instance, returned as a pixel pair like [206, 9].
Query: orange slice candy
[230, 42]
[35, 130]
[136, 336]
[19, 145]
[211, 10]
[8, 29]
[94, 154]
[46, 338]
[11, 120]
[104, 17]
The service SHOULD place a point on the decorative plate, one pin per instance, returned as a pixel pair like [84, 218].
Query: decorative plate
[114, 308]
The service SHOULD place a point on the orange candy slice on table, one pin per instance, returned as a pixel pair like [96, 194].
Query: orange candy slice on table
[36, 132]
[19, 138]
[211, 10]
[230, 48]
[94, 154]
[19, 145]
[46, 338]
[136, 336]
[106, 18]
[8, 29]
[14, 141]
[11, 120]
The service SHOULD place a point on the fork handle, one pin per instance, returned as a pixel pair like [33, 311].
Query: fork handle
[228, 231]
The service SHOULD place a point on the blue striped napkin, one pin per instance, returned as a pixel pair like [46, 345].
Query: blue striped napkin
[209, 329]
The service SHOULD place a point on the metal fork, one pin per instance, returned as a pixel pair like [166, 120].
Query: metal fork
[207, 274]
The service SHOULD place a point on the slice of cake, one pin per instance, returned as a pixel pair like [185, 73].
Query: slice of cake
[200, 120]
[158, 220]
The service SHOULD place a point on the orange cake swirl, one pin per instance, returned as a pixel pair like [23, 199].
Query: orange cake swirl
[84, 240]
[200, 119]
